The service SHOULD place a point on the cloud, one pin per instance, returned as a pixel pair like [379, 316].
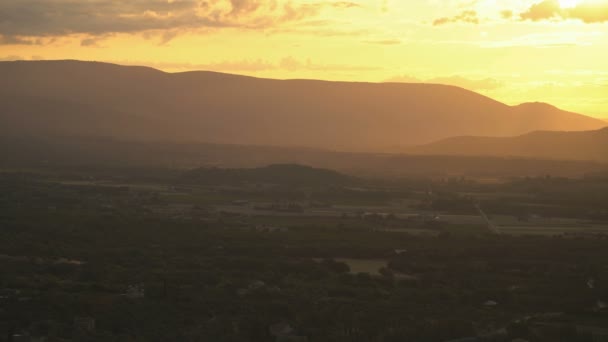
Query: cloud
[288, 63]
[11, 58]
[24, 21]
[18, 40]
[89, 42]
[12, 40]
[459, 81]
[468, 16]
[467, 4]
[384, 7]
[244, 65]
[506, 14]
[590, 12]
[547, 40]
[293, 64]
[384, 42]
[345, 4]
[404, 79]
[586, 11]
[93, 41]
[473, 84]
[543, 10]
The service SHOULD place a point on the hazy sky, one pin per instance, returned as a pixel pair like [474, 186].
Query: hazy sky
[512, 50]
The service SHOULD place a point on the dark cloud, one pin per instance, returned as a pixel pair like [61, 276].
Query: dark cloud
[11, 58]
[469, 17]
[587, 12]
[240, 7]
[59, 17]
[94, 41]
[22, 21]
[89, 42]
[12, 40]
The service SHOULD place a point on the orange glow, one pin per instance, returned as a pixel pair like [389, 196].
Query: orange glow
[518, 51]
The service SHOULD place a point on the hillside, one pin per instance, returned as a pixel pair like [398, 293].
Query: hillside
[586, 145]
[71, 98]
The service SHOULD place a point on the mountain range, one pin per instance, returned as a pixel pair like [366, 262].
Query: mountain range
[91, 99]
[586, 145]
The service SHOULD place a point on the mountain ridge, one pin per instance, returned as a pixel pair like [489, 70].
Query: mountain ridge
[206, 106]
[562, 145]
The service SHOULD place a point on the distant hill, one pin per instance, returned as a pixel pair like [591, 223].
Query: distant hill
[282, 174]
[93, 156]
[72, 98]
[586, 145]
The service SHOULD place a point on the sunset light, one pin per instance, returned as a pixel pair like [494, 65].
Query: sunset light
[569, 3]
[515, 51]
[303, 170]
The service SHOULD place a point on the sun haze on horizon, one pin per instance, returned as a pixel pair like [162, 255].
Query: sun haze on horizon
[553, 51]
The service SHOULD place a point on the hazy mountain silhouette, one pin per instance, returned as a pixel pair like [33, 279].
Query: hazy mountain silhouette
[137, 103]
[587, 145]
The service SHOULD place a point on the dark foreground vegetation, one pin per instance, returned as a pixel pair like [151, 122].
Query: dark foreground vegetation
[248, 255]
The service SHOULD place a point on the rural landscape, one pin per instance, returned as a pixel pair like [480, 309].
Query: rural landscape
[155, 188]
[105, 238]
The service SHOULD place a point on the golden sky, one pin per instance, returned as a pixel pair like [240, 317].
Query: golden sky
[515, 51]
